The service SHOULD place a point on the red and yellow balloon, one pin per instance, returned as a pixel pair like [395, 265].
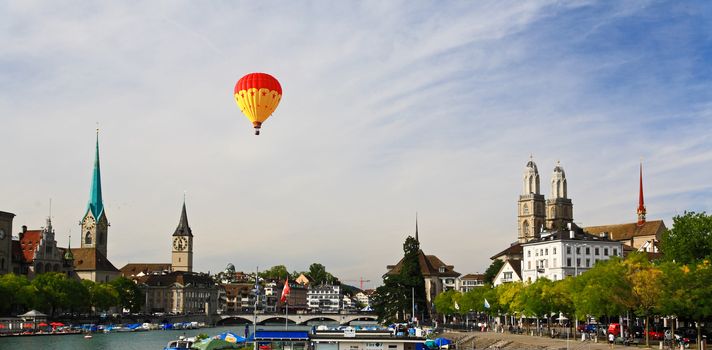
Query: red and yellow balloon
[257, 95]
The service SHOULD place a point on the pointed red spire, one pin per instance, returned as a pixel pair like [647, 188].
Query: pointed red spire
[641, 202]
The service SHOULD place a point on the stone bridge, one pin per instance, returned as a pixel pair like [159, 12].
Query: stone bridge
[300, 319]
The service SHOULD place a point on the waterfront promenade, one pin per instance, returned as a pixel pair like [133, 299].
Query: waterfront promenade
[493, 340]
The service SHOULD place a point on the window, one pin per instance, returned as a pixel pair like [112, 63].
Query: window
[605, 251]
[578, 250]
[546, 251]
[525, 209]
[441, 269]
[508, 275]
[554, 250]
[578, 262]
[595, 251]
[526, 228]
[588, 250]
[87, 238]
[568, 262]
[615, 251]
[529, 265]
[568, 250]
[588, 262]
[529, 253]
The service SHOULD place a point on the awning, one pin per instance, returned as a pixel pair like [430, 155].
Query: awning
[282, 335]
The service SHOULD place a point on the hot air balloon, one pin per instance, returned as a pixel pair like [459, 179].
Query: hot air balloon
[257, 95]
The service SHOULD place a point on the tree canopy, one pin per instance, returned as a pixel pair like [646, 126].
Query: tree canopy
[690, 239]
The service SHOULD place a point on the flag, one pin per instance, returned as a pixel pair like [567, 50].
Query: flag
[285, 291]
[487, 305]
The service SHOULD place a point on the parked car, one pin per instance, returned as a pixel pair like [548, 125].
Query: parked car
[656, 334]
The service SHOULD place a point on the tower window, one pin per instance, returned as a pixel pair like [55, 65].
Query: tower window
[87, 239]
[526, 209]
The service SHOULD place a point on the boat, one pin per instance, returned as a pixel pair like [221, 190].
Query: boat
[181, 343]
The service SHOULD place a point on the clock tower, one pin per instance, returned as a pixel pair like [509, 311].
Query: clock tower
[94, 225]
[182, 245]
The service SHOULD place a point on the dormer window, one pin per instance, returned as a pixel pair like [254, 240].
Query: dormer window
[441, 269]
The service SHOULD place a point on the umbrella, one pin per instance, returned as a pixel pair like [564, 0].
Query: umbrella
[231, 337]
[2, 326]
[441, 342]
[42, 324]
[214, 344]
[57, 324]
[27, 325]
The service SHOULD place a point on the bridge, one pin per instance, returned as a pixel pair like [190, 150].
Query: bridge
[298, 319]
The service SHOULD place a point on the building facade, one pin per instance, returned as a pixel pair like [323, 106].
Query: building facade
[6, 242]
[325, 298]
[559, 254]
[179, 292]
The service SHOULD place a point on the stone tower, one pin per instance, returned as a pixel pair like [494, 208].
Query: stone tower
[6, 242]
[559, 208]
[531, 205]
[182, 254]
[94, 225]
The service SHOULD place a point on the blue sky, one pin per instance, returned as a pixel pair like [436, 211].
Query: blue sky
[389, 108]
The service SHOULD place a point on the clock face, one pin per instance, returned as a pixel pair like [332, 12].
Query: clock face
[89, 222]
[180, 243]
[2, 234]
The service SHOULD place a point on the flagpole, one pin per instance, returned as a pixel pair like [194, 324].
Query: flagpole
[286, 314]
[254, 312]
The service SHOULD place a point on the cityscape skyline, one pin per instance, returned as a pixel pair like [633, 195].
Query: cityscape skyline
[388, 110]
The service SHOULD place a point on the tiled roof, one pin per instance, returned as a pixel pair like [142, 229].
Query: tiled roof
[90, 259]
[516, 266]
[177, 277]
[233, 290]
[28, 243]
[429, 266]
[130, 270]
[628, 231]
[473, 276]
[514, 249]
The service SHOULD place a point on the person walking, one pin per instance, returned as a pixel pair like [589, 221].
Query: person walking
[611, 339]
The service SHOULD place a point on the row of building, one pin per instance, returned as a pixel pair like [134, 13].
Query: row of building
[549, 244]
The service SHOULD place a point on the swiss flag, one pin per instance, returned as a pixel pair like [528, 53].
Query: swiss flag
[285, 291]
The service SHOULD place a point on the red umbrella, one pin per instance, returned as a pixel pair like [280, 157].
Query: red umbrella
[42, 325]
[57, 324]
[27, 325]
[2, 326]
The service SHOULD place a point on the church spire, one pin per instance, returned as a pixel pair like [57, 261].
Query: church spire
[96, 205]
[641, 201]
[183, 228]
[416, 228]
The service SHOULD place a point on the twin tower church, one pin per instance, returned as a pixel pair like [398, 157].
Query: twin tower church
[36, 251]
[537, 213]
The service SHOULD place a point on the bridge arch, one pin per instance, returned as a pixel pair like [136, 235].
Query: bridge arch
[230, 320]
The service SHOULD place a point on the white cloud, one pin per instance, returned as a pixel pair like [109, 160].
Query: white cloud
[389, 108]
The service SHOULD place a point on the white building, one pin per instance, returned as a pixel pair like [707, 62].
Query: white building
[509, 272]
[324, 298]
[471, 281]
[556, 255]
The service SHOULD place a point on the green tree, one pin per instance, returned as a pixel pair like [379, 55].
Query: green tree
[537, 299]
[492, 271]
[394, 299]
[644, 280]
[16, 293]
[447, 303]
[130, 296]
[52, 291]
[319, 275]
[690, 239]
[277, 272]
[686, 292]
[602, 290]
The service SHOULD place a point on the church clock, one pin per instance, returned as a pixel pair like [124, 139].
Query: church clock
[180, 243]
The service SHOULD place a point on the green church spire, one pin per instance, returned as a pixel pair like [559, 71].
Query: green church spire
[96, 205]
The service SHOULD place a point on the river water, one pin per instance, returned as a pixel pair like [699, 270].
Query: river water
[151, 340]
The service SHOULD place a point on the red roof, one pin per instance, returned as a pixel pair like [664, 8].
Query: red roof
[28, 243]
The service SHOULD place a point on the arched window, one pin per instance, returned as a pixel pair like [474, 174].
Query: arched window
[525, 209]
[87, 239]
[526, 228]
